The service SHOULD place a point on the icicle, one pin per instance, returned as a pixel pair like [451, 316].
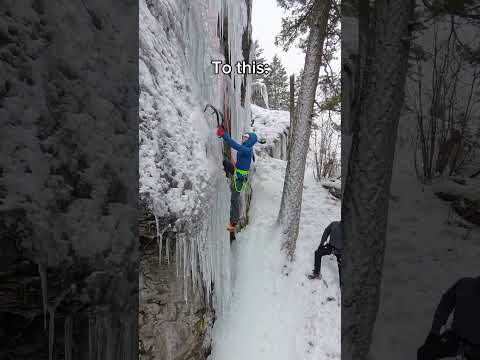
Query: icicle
[159, 241]
[134, 337]
[43, 279]
[109, 335]
[51, 314]
[51, 331]
[185, 261]
[68, 337]
[127, 338]
[177, 252]
[205, 268]
[167, 250]
[98, 335]
[201, 262]
[157, 226]
[90, 337]
[210, 250]
[193, 262]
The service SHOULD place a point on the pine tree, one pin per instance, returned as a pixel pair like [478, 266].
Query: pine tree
[277, 85]
[259, 59]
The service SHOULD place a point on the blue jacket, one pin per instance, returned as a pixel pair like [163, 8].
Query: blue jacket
[244, 151]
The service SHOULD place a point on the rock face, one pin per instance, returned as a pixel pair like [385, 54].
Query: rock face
[184, 194]
[163, 308]
[68, 118]
[278, 150]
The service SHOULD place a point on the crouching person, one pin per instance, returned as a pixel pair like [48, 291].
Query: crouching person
[334, 234]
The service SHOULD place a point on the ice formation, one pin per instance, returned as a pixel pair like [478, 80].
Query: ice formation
[260, 94]
[180, 156]
[119, 333]
[43, 279]
[68, 333]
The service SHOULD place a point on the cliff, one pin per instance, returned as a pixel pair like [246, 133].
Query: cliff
[185, 265]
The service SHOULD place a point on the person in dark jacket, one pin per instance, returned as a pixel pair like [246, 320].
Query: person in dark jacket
[334, 233]
[239, 172]
[463, 299]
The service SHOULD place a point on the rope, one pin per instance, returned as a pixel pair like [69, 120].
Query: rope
[215, 44]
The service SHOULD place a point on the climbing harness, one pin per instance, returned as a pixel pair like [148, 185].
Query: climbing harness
[241, 176]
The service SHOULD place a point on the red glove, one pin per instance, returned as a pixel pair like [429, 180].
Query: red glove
[220, 132]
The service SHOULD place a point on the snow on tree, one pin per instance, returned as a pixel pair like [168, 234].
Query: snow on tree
[259, 88]
[316, 15]
[259, 59]
[277, 85]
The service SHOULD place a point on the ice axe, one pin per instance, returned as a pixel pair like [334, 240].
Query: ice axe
[217, 113]
[219, 124]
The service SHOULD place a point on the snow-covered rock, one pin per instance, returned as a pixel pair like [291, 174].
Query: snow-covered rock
[260, 94]
[272, 128]
[334, 186]
[463, 195]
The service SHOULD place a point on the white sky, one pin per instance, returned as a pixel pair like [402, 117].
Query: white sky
[266, 24]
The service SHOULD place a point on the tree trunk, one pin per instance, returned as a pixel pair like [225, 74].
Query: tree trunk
[292, 97]
[367, 187]
[289, 216]
[353, 66]
[289, 141]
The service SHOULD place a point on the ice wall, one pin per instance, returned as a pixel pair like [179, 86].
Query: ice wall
[260, 94]
[183, 189]
[67, 200]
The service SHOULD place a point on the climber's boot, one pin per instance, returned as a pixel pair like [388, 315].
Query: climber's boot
[231, 227]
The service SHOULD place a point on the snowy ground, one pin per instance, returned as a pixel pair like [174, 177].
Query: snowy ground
[427, 252]
[272, 315]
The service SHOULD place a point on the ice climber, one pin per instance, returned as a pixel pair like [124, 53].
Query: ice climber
[239, 172]
[334, 246]
[463, 338]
